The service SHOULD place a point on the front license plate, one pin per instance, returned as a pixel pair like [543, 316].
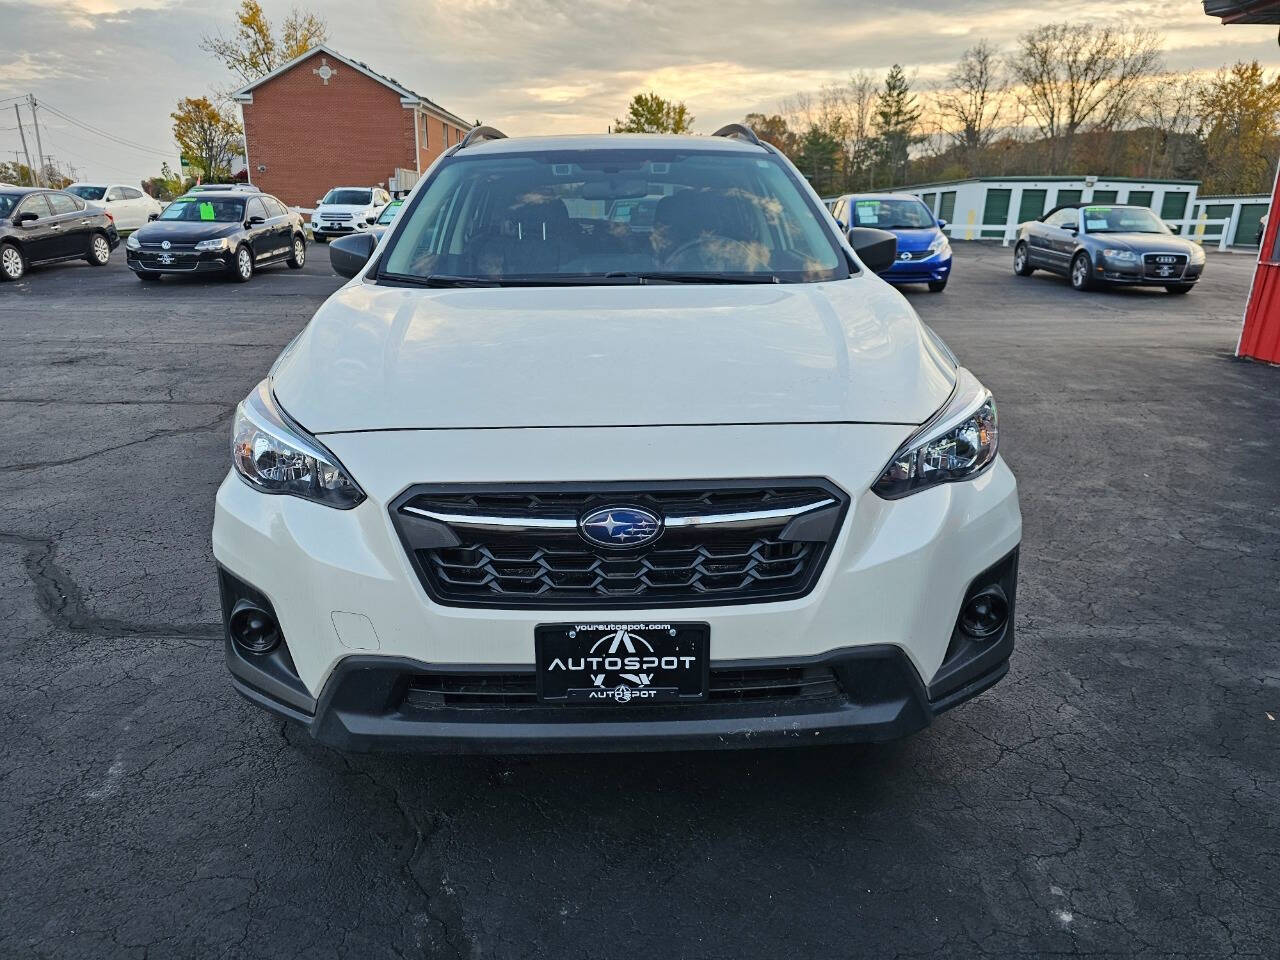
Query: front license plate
[622, 663]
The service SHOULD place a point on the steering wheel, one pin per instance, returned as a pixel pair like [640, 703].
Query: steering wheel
[718, 252]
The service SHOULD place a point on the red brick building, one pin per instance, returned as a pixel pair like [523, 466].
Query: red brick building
[324, 120]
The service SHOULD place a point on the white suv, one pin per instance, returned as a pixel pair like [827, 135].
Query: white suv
[345, 210]
[534, 480]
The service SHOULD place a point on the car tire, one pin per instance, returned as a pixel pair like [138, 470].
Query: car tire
[1179, 287]
[937, 286]
[99, 250]
[13, 265]
[1082, 272]
[146, 276]
[242, 268]
[1022, 261]
[299, 257]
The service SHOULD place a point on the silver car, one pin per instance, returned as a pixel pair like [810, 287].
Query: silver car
[1094, 245]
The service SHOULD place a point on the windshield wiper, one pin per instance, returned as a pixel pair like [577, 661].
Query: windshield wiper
[656, 277]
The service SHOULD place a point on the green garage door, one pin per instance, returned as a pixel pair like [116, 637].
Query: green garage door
[1140, 198]
[931, 201]
[1247, 226]
[1105, 196]
[996, 211]
[1067, 196]
[947, 206]
[1031, 205]
[1174, 205]
[1216, 211]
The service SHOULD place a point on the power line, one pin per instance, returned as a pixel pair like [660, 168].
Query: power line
[90, 128]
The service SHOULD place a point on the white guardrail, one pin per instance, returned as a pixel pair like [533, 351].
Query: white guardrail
[1192, 229]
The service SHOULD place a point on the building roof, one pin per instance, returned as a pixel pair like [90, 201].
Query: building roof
[1244, 11]
[408, 98]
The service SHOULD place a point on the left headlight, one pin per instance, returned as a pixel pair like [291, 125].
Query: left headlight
[222, 243]
[274, 455]
[1122, 256]
[957, 443]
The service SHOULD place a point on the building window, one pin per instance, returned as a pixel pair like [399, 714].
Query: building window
[426, 140]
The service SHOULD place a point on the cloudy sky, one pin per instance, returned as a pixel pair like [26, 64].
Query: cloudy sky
[527, 66]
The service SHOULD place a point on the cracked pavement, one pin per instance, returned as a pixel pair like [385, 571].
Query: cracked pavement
[1115, 796]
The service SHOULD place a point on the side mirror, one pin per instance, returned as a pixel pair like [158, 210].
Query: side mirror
[351, 253]
[152, 216]
[942, 224]
[877, 249]
[23, 219]
[256, 221]
[1071, 227]
[320, 201]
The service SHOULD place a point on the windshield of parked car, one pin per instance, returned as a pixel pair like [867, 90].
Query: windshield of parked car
[891, 214]
[7, 202]
[208, 209]
[1122, 220]
[353, 198]
[389, 211]
[88, 193]
[581, 217]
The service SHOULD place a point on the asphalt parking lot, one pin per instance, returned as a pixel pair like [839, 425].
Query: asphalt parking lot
[1115, 796]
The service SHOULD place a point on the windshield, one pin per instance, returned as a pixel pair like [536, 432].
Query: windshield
[1122, 220]
[207, 209]
[353, 198]
[390, 210]
[613, 215]
[88, 193]
[904, 214]
[7, 202]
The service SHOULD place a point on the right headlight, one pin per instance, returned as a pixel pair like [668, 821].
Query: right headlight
[274, 455]
[957, 443]
[133, 243]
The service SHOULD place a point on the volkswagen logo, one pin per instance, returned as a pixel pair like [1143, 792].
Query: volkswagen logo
[620, 527]
[165, 245]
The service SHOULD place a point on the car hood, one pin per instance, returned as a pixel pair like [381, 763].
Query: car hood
[1143, 242]
[381, 357]
[344, 207]
[915, 239]
[183, 231]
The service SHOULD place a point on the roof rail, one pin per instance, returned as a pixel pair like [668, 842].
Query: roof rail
[738, 131]
[476, 134]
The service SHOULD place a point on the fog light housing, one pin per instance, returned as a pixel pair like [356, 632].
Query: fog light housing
[985, 613]
[253, 629]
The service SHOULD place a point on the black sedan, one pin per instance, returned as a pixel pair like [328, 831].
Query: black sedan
[44, 226]
[1094, 245]
[226, 232]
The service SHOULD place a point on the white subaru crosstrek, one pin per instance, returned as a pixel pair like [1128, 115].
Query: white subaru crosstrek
[539, 480]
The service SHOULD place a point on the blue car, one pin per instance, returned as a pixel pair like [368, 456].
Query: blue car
[924, 253]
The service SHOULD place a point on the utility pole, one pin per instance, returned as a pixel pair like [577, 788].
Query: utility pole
[35, 121]
[22, 134]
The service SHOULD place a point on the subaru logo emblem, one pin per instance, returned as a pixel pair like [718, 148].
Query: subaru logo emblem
[620, 527]
[165, 245]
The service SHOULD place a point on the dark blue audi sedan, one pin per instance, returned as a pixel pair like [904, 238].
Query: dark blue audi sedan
[924, 253]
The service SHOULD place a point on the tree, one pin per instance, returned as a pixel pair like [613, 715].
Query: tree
[1081, 76]
[167, 185]
[256, 49]
[650, 113]
[1241, 109]
[1167, 113]
[819, 157]
[773, 129]
[971, 107]
[208, 135]
[895, 121]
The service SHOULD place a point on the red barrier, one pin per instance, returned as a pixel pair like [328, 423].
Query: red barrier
[1260, 336]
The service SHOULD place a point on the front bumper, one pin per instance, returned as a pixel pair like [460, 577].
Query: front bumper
[336, 229]
[934, 269]
[1128, 273]
[147, 261]
[350, 605]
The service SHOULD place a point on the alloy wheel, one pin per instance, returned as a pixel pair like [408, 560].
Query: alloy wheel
[101, 250]
[12, 263]
[299, 252]
[1079, 273]
[1019, 258]
[244, 263]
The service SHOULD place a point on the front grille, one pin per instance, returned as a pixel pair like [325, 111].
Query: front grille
[335, 217]
[174, 247]
[519, 548]
[905, 256]
[1164, 266]
[432, 691]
